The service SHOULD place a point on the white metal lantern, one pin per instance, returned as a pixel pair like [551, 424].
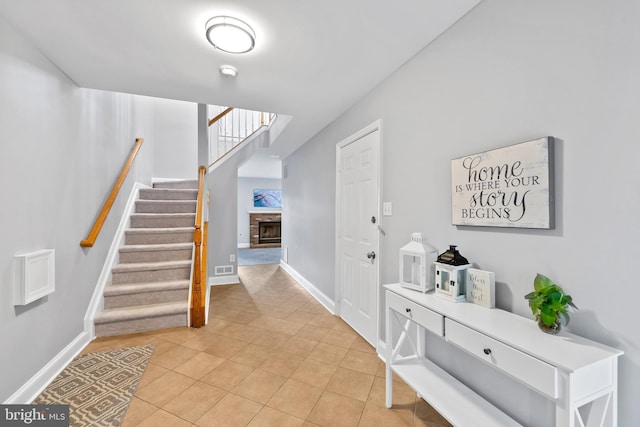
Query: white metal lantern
[416, 263]
[451, 273]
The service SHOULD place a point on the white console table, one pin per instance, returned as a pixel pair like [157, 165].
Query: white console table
[570, 370]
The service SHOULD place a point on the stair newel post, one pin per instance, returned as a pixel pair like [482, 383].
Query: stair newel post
[197, 309]
[203, 300]
[197, 240]
[196, 293]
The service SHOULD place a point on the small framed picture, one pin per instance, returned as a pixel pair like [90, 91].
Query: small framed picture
[480, 287]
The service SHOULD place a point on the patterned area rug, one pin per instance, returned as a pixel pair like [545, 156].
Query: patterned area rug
[98, 387]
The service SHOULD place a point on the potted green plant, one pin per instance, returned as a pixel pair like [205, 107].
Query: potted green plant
[549, 304]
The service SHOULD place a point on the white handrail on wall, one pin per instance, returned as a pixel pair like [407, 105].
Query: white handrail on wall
[233, 128]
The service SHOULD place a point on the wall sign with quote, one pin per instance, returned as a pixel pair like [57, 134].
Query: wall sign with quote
[506, 187]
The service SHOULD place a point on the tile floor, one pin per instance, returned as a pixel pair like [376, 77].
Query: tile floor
[271, 355]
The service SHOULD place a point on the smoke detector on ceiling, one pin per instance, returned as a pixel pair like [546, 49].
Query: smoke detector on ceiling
[228, 71]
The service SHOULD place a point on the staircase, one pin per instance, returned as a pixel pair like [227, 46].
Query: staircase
[149, 287]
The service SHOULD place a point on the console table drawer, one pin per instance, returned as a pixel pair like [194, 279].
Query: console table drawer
[530, 371]
[424, 317]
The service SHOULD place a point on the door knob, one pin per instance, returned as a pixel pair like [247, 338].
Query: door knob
[371, 255]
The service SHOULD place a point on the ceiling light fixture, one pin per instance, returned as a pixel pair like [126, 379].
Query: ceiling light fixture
[230, 34]
[228, 71]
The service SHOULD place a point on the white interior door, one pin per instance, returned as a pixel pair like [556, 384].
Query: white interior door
[358, 186]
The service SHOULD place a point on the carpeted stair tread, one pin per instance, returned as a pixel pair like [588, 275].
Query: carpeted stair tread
[164, 215]
[155, 247]
[165, 206]
[155, 252]
[150, 272]
[158, 230]
[187, 184]
[143, 293]
[151, 266]
[141, 311]
[144, 236]
[134, 288]
[163, 220]
[168, 194]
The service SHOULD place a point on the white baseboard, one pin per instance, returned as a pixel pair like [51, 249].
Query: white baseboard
[244, 245]
[96, 303]
[315, 292]
[36, 384]
[382, 350]
[224, 280]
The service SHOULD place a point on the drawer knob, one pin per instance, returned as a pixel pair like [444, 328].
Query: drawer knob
[487, 351]
[408, 310]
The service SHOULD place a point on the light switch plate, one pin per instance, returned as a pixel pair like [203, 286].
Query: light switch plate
[387, 209]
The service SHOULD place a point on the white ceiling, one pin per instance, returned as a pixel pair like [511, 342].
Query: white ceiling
[313, 59]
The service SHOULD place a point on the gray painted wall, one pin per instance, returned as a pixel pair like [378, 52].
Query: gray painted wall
[245, 203]
[222, 182]
[61, 149]
[508, 72]
[176, 132]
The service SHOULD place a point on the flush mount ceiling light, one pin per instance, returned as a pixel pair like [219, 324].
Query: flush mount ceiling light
[228, 71]
[230, 34]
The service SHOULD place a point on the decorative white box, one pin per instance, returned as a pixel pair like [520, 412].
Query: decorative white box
[34, 276]
[481, 287]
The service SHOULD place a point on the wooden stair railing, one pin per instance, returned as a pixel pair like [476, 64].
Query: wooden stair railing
[265, 119]
[221, 115]
[97, 226]
[198, 286]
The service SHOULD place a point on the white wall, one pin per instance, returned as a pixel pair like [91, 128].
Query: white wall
[61, 150]
[245, 204]
[176, 130]
[508, 72]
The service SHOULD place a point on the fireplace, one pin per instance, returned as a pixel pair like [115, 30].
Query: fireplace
[269, 232]
[265, 229]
